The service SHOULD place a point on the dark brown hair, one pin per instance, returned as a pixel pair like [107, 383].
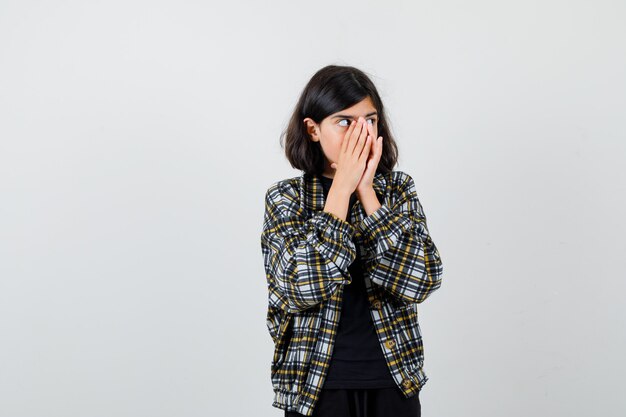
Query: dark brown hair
[330, 90]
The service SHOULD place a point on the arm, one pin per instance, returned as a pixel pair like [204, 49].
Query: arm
[305, 260]
[400, 254]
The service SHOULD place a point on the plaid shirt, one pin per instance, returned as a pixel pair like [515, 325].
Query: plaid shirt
[307, 251]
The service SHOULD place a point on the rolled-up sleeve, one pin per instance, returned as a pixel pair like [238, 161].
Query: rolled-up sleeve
[400, 255]
[305, 259]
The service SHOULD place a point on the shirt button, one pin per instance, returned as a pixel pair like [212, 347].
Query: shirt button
[376, 304]
[390, 343]
[406, 383]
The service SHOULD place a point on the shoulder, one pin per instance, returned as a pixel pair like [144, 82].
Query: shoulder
[284, 193]
[289, 186]
[401, 181]
[402, 189]
[399, 176]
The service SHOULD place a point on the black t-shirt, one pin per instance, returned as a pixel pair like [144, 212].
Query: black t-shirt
[357, 360]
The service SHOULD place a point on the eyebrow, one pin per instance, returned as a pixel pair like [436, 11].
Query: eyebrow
[348, 116]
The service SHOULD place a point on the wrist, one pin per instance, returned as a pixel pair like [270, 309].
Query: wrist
[369, 200]
[341, 192]
[365, 191]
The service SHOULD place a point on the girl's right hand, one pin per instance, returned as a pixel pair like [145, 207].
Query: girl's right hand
[352, 159]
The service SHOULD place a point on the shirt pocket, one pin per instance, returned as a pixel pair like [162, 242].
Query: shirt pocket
[306, 329]
[282, 341]
[293, 358]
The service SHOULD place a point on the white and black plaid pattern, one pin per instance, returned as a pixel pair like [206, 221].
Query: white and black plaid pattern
[306, 254]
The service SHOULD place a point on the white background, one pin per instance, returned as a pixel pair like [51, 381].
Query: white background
[138, 139]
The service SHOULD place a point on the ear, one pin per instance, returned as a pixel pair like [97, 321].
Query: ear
[312, 129]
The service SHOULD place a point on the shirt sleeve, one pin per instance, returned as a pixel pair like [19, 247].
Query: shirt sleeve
[400, 255]
[306, 260]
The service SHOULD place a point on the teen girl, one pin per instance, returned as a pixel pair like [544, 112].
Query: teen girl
[348, 257]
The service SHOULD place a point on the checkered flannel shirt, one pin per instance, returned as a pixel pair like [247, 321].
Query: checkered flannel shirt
[306, 253]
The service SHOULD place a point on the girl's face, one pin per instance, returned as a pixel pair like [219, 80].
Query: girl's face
[330, 131]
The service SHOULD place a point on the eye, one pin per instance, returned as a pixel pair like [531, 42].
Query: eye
[344, 125]
[371, 121]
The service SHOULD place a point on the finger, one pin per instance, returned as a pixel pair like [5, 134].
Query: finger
[357, 136]
[375, 150]
[372, 151]
[346, 137]
[362, 139]
[371, 146]
[376, 143]
[354, 137]
[365, 152]
[370, 129]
